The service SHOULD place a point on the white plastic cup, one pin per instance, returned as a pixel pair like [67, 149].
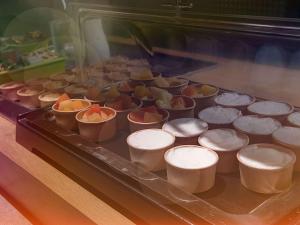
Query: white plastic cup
[266, 168]
[191, 168]
[147, 148]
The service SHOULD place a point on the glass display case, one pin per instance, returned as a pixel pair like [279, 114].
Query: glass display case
[157, 107]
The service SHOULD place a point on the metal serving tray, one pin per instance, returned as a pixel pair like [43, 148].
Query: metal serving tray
[227, 203]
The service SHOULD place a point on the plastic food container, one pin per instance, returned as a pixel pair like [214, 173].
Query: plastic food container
[186, 130]
[136, 126]
[187, 112]
[235, 100]
[48, 99]
[191, 168]
[66, 119]
[289, 137]
[175, 89]
[266, 168]
[226, 143]
[122, 121]
[203, 102]
[147, 148]
[258, 129]
[98, 131]
[219, 117]
[9, 90]
[294, 119]
[276, 110]
[29, 96]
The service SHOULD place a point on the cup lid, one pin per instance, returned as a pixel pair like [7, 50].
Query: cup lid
[191, 157]
[150, 139]
[288, 136]
[223, 140]
[266, 156]
[185, 127]
[270, 108]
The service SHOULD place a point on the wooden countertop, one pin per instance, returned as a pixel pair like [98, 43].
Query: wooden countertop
[82, 200]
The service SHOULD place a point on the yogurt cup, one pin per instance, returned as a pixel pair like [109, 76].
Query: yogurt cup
[147, 148]
[9, 90]
[266, 168]
[186, 130]
[136, 126]
[258, 129]
[235, 100]
[67, 119]
[98, 131]
[277, 110]
[294, 119]
[289, 137]
[226, 143]
[48, 99]
[191, 168]
[29, 96]
[219, 117]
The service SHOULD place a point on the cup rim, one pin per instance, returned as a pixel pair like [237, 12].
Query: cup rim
[194, 146]
[253, 99]
[281, 148]
[291, 110]
[47, 92]
[103, 121]
[41, 90]
[244, 136]
[152, 123]
[237, 110]
[152, 150]
[255, 134]
[196, 135]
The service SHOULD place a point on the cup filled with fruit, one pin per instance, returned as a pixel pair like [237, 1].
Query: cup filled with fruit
[123, 105]
[203, 95]
[128, 86]
[29, 96]
[144, 94]
[65, 110]
[144, 75]
[174, 85]
[97, 123]
[178, 106]
[147, 118]
[95, 95]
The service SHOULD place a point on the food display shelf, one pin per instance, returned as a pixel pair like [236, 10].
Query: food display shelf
[228, 202]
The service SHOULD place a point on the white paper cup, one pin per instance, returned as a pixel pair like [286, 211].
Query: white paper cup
[276, 110]
[266, 168]
[289, 137]
[147, 148]
[226, 143]
[191, 168]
